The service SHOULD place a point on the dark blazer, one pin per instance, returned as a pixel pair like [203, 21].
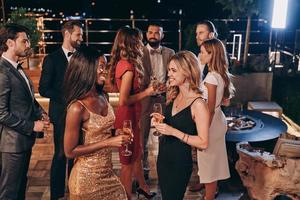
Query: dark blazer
[167, 53]
[51, 82]
[18, 110]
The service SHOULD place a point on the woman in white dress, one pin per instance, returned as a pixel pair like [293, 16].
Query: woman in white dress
[212, 162]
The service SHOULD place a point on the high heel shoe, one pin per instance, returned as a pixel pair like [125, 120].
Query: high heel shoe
[146, 195]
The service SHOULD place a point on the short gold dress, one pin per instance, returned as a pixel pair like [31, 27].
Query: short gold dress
[92, 175]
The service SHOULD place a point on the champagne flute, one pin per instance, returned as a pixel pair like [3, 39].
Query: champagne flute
[127, 129]
[154, 83]
[157, 108]
[157, 86]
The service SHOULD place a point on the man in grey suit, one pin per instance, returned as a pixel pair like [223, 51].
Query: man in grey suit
[20, 113]
[155, 60]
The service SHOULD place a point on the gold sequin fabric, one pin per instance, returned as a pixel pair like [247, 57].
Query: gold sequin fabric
[92, 175]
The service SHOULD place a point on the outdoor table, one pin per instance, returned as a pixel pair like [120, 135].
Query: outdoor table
[267, 127]
[263, 135]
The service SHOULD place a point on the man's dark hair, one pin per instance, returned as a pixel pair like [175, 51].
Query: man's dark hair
[69, 26]
[210, 26]
[10, 31]
[155, 23]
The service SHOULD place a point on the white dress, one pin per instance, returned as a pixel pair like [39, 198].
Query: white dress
[213, 162]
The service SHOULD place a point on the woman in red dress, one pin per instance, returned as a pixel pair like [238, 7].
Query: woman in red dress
[126, 73]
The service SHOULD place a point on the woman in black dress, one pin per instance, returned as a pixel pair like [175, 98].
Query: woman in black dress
[186, 124]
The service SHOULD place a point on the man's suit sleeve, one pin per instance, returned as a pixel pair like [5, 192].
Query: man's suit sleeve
[38, 110]
[46, 88]
[6, 117]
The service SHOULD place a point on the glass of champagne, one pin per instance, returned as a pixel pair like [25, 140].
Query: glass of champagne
[159, 87]
[157, 108]
[127, 129]
[154, 83]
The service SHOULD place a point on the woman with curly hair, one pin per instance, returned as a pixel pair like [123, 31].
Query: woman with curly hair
[185, 125]
[126, 73]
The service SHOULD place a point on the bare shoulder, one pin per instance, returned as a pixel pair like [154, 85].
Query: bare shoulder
[76, 108]
[199, 105]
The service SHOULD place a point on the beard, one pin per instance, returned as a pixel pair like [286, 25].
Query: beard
[154, 43]
[75, 44]
[26, 53]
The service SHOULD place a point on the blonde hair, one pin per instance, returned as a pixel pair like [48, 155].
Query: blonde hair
[219, 63]
[188, 64]
[127, 44]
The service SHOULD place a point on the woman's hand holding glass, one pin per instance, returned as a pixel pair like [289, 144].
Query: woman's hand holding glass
[127, 130]
[158, 87]
[164, 128]
[120, 138]
[157, 116]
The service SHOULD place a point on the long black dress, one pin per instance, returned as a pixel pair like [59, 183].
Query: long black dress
[174, 163]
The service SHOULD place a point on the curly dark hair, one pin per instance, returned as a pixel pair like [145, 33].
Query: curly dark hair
[127, 44]
[10, 31]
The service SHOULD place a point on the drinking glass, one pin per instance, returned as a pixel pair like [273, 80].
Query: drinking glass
[127, 129]
[157, 108]
[158, 86]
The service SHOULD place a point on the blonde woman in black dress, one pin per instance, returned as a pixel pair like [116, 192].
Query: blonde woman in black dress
[186, 123]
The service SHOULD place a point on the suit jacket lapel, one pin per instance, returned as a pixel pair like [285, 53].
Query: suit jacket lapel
[165, 57]
[19, 76]
[147, 67]
[63, 57]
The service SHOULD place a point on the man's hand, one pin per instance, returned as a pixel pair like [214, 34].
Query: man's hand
[38, 126]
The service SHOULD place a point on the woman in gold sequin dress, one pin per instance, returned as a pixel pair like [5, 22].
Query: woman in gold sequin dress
[88, 136]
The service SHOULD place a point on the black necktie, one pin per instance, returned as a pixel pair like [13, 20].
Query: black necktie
[19, 66]
[70, 53]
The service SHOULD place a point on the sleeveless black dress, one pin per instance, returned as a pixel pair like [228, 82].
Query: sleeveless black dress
[174, 162]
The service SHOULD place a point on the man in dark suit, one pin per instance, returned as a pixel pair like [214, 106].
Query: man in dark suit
[20, 113]
[155, 60]
[50, 85]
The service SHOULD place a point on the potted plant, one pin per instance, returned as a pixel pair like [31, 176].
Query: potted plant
[20, 16]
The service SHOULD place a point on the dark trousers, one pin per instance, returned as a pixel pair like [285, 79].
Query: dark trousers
[59, 163]
[145, 129]
[13, 178]
[173, 179]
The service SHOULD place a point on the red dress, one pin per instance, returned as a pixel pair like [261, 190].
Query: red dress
[129, 112]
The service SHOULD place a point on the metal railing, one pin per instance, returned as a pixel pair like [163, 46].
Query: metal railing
[100, 32]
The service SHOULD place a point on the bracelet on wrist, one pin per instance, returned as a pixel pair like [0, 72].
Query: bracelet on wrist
[182, 139]
[187, 139]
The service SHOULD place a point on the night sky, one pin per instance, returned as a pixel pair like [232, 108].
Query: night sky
[192, 9]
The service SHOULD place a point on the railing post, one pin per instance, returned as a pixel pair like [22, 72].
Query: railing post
[3, 11]
[40, 28]
[179, 30]
[132, 18]
[87, 31]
